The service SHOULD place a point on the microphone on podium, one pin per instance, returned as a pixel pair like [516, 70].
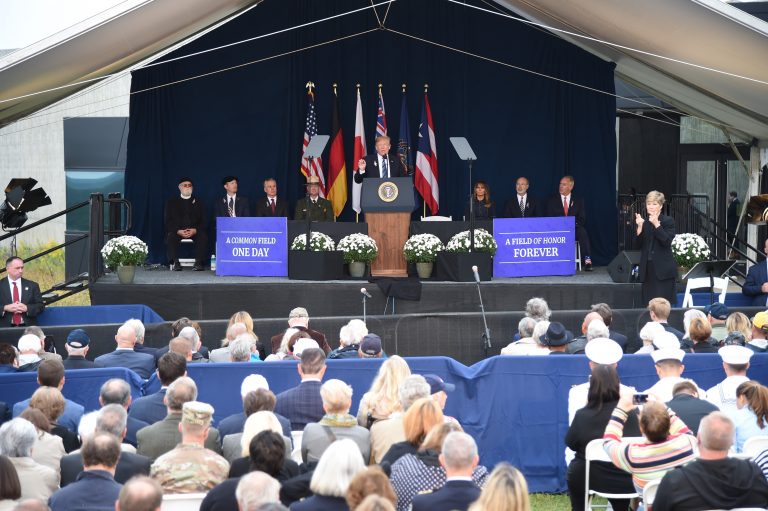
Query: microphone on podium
[477, 276]
[366, 293]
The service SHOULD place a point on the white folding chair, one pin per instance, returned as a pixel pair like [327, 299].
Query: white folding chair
[436, 218]
[186, 262]
[296, 453]
[755, 445]
[596, 452]
[649, 493]
[721, 287]
[182, 501]
[578, 256]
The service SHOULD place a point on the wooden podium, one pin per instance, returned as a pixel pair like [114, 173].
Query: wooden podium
[388, 204]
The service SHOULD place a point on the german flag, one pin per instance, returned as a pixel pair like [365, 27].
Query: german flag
[337, 167]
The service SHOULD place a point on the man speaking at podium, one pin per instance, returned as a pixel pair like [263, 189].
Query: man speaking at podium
[381, 164]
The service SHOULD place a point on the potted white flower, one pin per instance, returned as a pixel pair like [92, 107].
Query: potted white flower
[689, 249]
[422, 249]
[123, 254]
[359, 250]
[318, 242]
[321, 262]
[484, 242]
[457, 261]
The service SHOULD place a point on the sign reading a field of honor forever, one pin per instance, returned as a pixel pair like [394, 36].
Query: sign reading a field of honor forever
[534, 246]
[253, 247]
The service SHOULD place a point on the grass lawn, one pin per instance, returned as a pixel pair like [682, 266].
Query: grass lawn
[550, 502]
[47, 270]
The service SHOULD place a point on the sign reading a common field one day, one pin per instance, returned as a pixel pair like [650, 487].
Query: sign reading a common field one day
[253, 247]
[534, 246]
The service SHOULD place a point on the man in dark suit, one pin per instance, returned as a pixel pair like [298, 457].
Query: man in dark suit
[459, 458]
[688, 406]
[565, 204]
[151, 408]
[185, 219]
[21, 298]
[77, 348]
[299, 318]
[606, 313]
[117, 392]
[522, 205]
[111, 419]
[381, 164]
[756, 283]
[231, 204]
[142, 364]
[314, 206]
[164, 436]
[271, 205]
[303, 404]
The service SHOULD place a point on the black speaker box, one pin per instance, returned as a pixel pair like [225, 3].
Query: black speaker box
[621, 267]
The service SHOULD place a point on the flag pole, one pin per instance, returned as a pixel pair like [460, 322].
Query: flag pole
[357, 215]
[426, 89]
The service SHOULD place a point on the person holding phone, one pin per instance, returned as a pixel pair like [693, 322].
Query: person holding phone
[657, 270]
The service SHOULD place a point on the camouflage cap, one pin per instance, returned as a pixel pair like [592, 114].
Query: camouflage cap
[196, 412]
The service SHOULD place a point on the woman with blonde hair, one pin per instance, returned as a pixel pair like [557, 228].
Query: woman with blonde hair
[657, 269]
[51, 402]
[423, 415]
[383, 398]
[244, 318]
[751, 418]
[739, 329]
[505, 490]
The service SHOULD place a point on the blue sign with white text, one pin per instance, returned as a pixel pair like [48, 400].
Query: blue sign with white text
[251, 246]
[530, 247]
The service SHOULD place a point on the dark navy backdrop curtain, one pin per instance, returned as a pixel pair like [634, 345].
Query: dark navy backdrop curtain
[249, 120]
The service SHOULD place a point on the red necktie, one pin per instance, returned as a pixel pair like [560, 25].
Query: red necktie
[565, 205]
[16, 320]
[272, 206]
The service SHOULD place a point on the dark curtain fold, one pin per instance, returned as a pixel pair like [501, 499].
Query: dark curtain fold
[249, 120]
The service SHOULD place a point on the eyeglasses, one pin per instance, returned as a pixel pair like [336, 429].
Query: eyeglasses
[185, 185]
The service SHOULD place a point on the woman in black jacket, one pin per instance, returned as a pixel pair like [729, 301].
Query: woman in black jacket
[589, 424]
[657, 264]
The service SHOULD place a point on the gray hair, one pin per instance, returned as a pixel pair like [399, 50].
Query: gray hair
[189, 333]
[87, 425]
[650, 330]
[689, 315]
[181, 391]
[17, 438]
[115, 391]
[286, 337]
[538, 309]
[233, 331]
[539, 330]
[357, 330]
[138, 327]
[336, 396]
[412, 389]
[459, 450]
[345, 336]
[526, 326]
[716, 432]
[241, 348]
[336, 468]
[256, 488]
[597, 329]
[112, 419]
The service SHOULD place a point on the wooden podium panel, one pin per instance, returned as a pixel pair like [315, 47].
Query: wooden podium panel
[390, 230]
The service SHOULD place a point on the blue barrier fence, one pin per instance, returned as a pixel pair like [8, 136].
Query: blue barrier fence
[515, 407]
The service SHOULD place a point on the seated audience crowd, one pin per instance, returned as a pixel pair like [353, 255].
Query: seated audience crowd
[306, 448]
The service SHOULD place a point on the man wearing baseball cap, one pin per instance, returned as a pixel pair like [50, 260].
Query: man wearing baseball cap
[717, 313]
[299, 318]
[370, 347]
[314, 206]
[759, 344]
[735, 365]
[185, 220]
[439, 389]
[77, 349]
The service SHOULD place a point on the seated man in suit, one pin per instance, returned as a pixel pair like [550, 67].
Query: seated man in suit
[162, 437]
[314, 206]
[142, 364]
[756, 284]
[77, 346]
[303, 404]
[522, 205]
[185, 219]
[459, 459]
[50, 373]
[151, 408]
[565, 204]
[271, 205]
[21, 298]
[381, 164]
[231, 204]
[606, 313]
[140, 330]
[117, 392]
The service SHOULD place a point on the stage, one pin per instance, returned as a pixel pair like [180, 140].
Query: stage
[204, 296]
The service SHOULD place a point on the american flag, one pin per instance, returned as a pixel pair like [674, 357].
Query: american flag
[310, 130]
[381, 117]
[426, 160]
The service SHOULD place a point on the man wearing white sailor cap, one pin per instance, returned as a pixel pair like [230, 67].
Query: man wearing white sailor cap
[669, 367]
[735, 365]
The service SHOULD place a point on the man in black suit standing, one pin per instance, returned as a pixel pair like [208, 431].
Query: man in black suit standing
[185, 219]
[21, 298]
[522, 205]
[459, 458]
[565, 204]
[381, 164]
[231, 204]
[271, 205]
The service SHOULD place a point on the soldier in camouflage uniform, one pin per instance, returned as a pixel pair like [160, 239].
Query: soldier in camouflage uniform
[320, 210]
[190, 467]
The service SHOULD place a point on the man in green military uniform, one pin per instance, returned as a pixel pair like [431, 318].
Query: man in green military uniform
[320, 210]
[190, 467]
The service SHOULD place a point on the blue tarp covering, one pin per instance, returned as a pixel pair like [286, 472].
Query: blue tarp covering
[515, 407]
[97, 314]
